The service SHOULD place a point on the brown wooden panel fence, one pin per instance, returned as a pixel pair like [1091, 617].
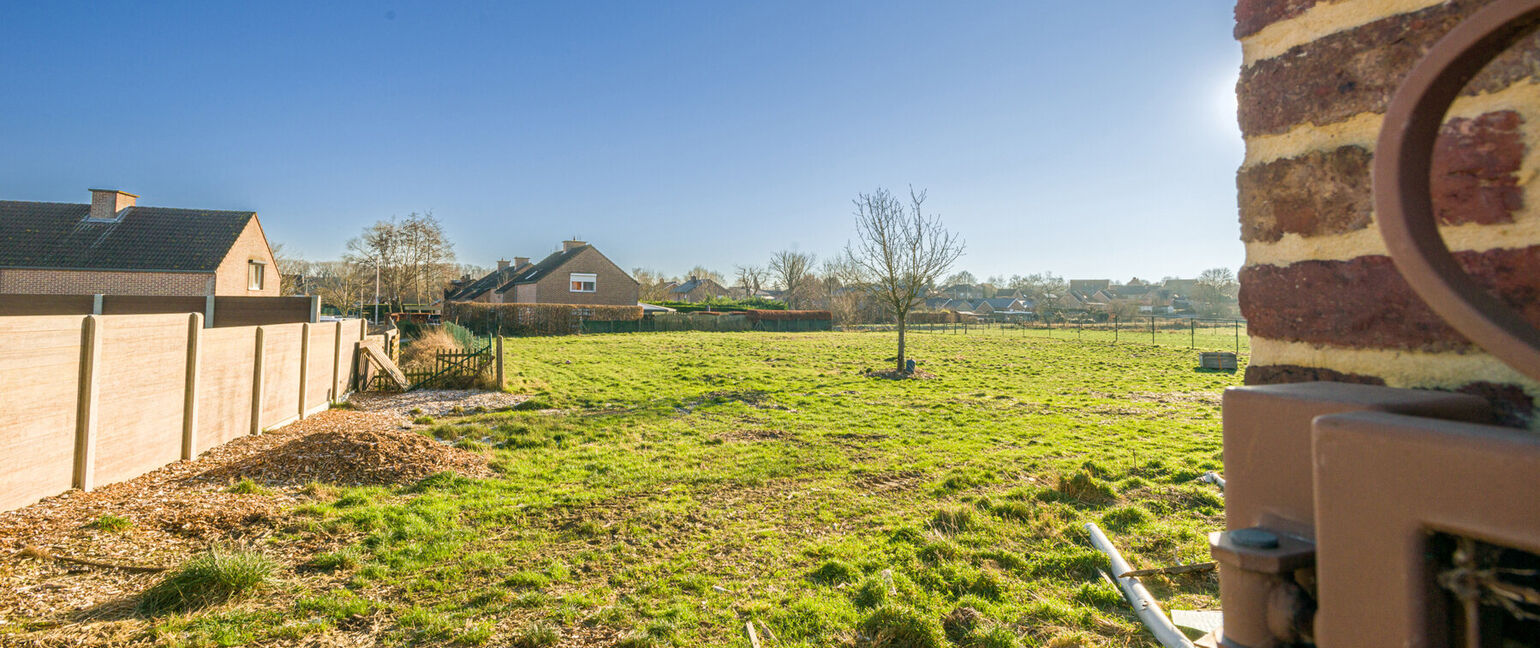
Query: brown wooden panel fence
[225, 311]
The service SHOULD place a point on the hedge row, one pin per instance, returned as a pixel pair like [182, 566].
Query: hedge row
[735, 305]
[534, 319]
[763, 315]
[938, 317]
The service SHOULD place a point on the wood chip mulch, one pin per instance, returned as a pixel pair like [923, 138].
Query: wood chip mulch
[183, 508]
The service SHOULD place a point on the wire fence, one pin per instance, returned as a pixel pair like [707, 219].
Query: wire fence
[1179, 332]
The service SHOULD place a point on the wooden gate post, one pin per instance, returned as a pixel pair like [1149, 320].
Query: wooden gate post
[190, 392]
[499, 369]
[85, 412]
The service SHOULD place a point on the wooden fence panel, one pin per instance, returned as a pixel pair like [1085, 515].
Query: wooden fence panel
[34, 305]
[139, 305]
[225, 385]
[39, 378]
[141, 383]
[258, 311]
[280, 374]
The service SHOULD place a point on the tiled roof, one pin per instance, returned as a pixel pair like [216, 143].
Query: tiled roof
[474, 289]
[57, 235]
[686, 286]
[533, 273]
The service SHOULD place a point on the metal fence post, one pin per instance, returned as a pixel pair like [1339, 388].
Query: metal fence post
[1193, 342]
[1114, 329]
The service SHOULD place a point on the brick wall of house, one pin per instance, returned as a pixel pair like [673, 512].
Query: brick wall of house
[250, 245]
[613, 286]
[1323, 299]
[76, 282]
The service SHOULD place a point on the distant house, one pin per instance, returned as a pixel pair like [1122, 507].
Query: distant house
[697, 289]
[485, 289]
[964, 291]
[1088, 286]
[1001, 306]
[113, 246]
[578, 274]
[1180, 287]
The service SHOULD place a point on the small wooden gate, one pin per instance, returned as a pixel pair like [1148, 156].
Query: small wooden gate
[450, 367]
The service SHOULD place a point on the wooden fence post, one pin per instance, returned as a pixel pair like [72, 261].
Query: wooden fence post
[500, 383]
[85, 411]
[190, 392]
[256, 386]
[304, 366]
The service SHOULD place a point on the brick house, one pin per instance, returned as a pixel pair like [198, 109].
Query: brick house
[697, 289]
[112, 246]
[487, 289]
[578, 274]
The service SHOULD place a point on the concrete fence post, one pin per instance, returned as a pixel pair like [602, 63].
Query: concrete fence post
[304, 367]
[96, 304]
[190, 392]
[315, 308]
[256, 386]
[208, 311]
[336, 364]
[85, 411]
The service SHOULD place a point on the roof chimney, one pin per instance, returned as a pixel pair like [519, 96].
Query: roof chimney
[519, 262]
[106, 204]
[502, 264]
[568, 245]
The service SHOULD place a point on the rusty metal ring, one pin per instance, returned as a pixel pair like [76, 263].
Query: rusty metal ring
[1403, 201]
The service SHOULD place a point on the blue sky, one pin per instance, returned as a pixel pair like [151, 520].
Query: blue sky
[1089, 139]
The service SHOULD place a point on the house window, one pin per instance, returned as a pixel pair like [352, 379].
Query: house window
[583, 282]
[254, 272]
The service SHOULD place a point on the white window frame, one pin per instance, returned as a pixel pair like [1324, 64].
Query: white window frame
[256, 270]
[576, 280]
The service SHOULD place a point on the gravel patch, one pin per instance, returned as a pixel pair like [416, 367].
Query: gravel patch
[435, 402]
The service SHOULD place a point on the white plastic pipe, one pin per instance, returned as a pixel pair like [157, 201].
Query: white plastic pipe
[1144, 605]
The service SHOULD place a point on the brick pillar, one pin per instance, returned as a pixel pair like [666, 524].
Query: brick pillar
[1322, 297]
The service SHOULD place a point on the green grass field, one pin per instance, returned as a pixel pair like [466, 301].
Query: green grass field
[666, 489]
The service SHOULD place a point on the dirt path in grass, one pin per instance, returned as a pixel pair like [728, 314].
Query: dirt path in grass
[161, 518]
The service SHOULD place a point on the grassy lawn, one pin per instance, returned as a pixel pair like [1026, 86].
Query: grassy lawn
[668, 488]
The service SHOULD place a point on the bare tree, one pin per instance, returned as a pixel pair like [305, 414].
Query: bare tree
[963, 277]
[751, 279]
[414, 257]
[1042, 289]
[703, 272]
[654, 286]
[292, 271]
[898, 252]
[793, 271]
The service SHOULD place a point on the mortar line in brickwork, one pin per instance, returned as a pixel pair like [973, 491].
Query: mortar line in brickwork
[1320, 21]
[1363, 129]
[1468, 237]
[1398, 367]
